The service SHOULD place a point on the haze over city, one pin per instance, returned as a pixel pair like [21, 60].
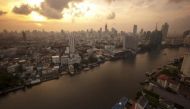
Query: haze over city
[94, 54]
[75, 15]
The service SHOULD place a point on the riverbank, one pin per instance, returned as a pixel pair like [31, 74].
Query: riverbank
[97, 88]
[164, 88]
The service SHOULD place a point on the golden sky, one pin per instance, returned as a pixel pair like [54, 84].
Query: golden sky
[54, 15]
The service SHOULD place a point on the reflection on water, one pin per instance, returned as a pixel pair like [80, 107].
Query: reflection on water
[99, 88]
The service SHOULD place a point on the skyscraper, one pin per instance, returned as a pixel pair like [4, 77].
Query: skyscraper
[135, 29]
[155, 39]
[165, 28]
[72, 44]
[100, 30]
[106, 28]
[24, 36]
[130, 42]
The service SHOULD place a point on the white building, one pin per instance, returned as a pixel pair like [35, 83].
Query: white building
[67, 51]
[185, 69]
[162, 80]
[55, 59]
[71, 44]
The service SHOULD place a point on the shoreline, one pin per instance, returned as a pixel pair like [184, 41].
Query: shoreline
[23, 87]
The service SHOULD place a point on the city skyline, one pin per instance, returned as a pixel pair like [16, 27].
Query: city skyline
[75, 15]
[95, 54]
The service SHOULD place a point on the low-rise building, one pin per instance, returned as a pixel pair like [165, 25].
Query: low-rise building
[12, 68]
[64, 59]
[162, 80]
[187, 41]
[174, 41]
[141, 103]
[167, 82]
[49, 74]
[185, 68]
[55, 59]
[174, 85]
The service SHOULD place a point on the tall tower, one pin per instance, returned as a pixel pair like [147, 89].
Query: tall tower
[72, 44]
[156, 27]
[106, 28]
[165, 28]
[135, 29]
[24, 36]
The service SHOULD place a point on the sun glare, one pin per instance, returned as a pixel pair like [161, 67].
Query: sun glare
[39, 24]
[37, 17]
[88, 8]
[81, 10]
[34, 2]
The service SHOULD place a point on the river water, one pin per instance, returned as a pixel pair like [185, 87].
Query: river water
[99, 88]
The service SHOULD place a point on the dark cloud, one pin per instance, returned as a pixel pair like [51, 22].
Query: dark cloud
[111, 16]
[52, 9]
[49, 12]
[24, 9]
[2, 12]
[59, 5]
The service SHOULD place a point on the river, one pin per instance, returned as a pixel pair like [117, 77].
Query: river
[99, 88]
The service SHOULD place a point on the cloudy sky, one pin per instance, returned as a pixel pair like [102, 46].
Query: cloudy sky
[53, 15]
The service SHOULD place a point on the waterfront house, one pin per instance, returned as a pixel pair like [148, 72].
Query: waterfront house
[142, 103]
[168, 82]
[162, 80]
[174, 85]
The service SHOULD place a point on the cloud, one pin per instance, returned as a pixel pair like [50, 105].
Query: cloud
[52, 9]
[49, 12]
[2, 12]
[111, 16]
[177, 1]
[181, 24]
[109, 1]
[23, 9]
[59, 5]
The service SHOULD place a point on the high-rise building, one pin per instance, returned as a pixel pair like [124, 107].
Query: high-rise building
[130, 42]
[100, 30]
[71, 44]
[165, 28]
[24, 36]
[142, 31]
[135, 29]
[155, 38]
[185, 69]
[106, 28]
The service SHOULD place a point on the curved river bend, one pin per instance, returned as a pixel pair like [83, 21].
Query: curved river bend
[98, 88]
